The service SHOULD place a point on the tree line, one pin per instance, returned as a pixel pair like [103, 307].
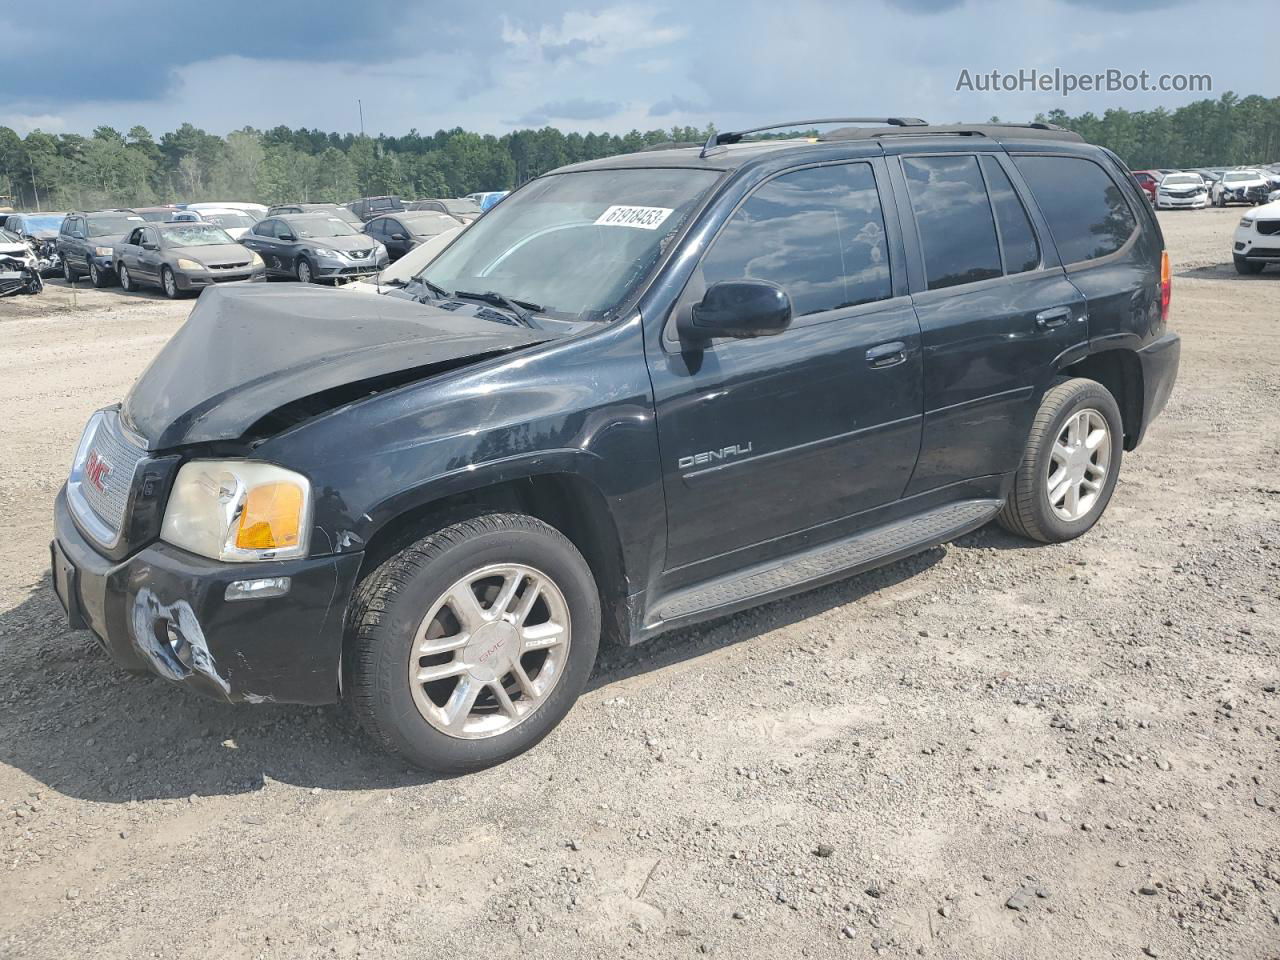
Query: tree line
[109, 168]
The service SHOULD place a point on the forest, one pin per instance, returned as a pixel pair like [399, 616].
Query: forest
[109, 168]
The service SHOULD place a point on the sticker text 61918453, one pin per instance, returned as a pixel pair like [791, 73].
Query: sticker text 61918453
[644, 218]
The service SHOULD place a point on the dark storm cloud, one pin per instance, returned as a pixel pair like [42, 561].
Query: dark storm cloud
[574, 109]
[675, 104]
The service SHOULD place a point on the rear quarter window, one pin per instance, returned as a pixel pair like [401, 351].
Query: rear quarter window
[1087, 212]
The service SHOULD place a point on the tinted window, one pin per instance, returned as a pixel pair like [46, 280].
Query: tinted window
[954, 219]
[1017, 239]
[1087, 213]
[818, 234]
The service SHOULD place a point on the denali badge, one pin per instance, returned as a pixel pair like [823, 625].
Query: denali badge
[713, 456]
[96, 471]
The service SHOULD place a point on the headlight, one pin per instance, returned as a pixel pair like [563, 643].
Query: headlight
[328, 254]
[254, 259]
[1246, 222]
[185, 264]
[238, 510]
[102, 251]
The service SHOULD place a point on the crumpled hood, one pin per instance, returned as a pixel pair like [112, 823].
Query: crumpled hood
[248, 350]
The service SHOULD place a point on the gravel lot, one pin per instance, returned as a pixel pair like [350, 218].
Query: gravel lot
[993, 749]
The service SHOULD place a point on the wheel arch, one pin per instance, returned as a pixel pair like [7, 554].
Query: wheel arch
[567, 501]
[1120, 371]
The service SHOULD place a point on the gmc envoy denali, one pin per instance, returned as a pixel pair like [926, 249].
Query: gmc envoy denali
[641, 392]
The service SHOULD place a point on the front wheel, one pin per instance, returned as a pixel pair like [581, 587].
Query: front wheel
[169, 283]
[68, 274]
[97, 276]
[469, 646]
[305, 273]
[1069, 468]
[1246, 267]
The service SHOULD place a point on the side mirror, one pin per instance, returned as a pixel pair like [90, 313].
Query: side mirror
[150, 246]
[741, 309]
[397, 236]
[286, 236]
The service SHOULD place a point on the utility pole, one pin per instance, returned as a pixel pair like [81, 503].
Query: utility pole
[360, 107]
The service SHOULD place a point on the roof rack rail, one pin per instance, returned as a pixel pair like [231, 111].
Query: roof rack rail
[719, 139]
[1037, 129]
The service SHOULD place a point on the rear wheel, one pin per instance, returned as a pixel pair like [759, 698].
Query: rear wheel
[470, 646]
[1247, 267]
[1069, 468]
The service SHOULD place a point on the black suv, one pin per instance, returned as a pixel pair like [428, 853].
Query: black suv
[85, 243]
[641, 392]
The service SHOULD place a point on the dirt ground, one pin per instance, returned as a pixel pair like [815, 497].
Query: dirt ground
[992, 749]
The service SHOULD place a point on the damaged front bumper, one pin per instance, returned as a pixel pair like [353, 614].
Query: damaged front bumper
[166, 610]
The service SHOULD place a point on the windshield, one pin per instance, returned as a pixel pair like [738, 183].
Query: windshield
[576, 243]
[8, 237]
[37, 221]
[1175, 178]
[230, 219]
[429, 224]
[1245, 175]
[466, 207]
[195, 235]
[158, 216]
[321, 227]
[109, 226]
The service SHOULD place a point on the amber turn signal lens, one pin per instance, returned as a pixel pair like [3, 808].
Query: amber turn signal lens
[1166, 285]
[272, 518]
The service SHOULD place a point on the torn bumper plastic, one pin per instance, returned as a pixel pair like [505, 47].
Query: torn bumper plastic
[166, 611]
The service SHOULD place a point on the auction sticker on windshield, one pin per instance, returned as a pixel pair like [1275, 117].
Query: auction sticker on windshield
[645, 218]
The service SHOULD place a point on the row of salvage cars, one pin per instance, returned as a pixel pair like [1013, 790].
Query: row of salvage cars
[181, 251]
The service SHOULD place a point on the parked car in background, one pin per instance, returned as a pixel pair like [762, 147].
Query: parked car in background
[401, 232]
[1182, 190]
[491, 199]
[255, 210]
[366, 208]
[19, 268]
[182, 257]
[86, 241]
[1148, 181]
[235, 222]
[1239, 186]
[313, 247]
[1257, 238]
[162, 214]
[461, 208]
[396, 275]
[40, 231]
[332, 209]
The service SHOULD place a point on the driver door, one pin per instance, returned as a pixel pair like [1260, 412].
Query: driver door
[771, 441]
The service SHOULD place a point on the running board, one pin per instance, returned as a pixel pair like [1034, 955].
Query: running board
[831, 561]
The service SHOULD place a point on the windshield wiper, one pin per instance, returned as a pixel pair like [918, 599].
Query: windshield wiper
[435, 288]
[522, 309]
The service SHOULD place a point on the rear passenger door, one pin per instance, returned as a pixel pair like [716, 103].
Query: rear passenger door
[766, 438]
[1094, 219]
[996, 311]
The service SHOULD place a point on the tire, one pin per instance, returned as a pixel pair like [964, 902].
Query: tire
[169, 284]
[97, 277]
[1248, 267]
[1028, 512]
[306, 273]
[68, 274]
[393, 610]
[126, 281]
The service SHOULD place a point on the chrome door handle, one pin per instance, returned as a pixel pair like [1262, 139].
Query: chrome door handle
[1055, 317]
[887, 355]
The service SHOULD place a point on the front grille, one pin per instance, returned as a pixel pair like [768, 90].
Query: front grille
[106, 491]
[228, 266]
[1268, 228]
[357, 254]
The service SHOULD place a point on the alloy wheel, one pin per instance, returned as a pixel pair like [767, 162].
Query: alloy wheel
[1078, 465]
[304, 272]
[489, 651]
[170, 285]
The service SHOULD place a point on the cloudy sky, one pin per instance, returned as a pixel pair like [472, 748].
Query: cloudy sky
[498, 65]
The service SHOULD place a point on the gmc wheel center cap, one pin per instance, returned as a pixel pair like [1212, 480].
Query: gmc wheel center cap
[492, 650]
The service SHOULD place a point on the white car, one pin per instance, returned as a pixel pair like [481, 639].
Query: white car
[1257, 239]
[1182, 190]
[255, 210]
[1234, 186]
[234, 222]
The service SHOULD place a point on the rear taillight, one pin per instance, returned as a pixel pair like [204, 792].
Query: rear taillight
[1166, 286]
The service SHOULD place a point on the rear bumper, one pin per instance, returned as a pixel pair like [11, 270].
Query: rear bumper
[1159, 361]
[165, 610]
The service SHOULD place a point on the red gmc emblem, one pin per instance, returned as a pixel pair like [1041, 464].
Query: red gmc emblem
[96, 470]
